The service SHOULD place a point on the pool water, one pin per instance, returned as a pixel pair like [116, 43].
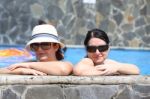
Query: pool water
[74, 55]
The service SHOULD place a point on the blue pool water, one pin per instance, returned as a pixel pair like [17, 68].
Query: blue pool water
[137, 57]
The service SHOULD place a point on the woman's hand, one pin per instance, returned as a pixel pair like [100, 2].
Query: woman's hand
[18, 65]
[108, 69]
[27, 71]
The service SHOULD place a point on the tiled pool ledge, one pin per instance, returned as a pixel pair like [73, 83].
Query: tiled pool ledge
[83, 80]
[74, 87]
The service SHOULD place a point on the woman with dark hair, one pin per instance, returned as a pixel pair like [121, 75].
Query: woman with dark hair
[96, 62]
[47, 48]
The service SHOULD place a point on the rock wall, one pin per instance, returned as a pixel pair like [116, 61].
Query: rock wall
[74, 87]
[127, 22]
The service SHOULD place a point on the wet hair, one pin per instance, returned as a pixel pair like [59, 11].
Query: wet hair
[40, 22]
[96, 33]
[60, 52]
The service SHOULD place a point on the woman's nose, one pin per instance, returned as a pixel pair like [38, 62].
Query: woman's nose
[39, 49]
[97, 51]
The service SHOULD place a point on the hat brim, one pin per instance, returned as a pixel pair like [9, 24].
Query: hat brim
[43, 39]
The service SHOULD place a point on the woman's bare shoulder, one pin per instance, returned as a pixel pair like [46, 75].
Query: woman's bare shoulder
[86, 61]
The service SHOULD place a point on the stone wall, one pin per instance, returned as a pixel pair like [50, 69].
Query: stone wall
[73, 87]
[127, 22]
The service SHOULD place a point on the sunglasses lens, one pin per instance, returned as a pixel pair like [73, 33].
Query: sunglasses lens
[91, 48]
[45, 46]
[103, 48]
[34, 46]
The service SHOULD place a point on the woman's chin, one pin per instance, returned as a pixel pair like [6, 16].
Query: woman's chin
[98, 61]
[42, 59]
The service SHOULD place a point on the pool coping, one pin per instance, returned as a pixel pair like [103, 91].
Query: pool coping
[86, 80]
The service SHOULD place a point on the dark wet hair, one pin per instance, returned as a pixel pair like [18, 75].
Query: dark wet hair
[96, 33]
[60, 52]
[40, 22]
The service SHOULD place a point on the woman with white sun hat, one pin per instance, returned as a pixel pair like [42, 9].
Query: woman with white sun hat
[47, 47]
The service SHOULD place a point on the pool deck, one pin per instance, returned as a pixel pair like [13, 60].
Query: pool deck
[26, 79]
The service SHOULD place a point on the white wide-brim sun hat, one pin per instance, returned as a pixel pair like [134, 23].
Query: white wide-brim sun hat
[44, 33]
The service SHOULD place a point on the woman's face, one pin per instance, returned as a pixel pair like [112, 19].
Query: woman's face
[98, 57]
[47, 53]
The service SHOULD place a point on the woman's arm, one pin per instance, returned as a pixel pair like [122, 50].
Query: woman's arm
[4, 71]
[21, 71]
[86, 67]
[112, 66]
[51, 68]
[128, 69]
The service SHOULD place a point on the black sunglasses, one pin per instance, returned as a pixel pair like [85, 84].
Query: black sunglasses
[101, 48]
[44, 46]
